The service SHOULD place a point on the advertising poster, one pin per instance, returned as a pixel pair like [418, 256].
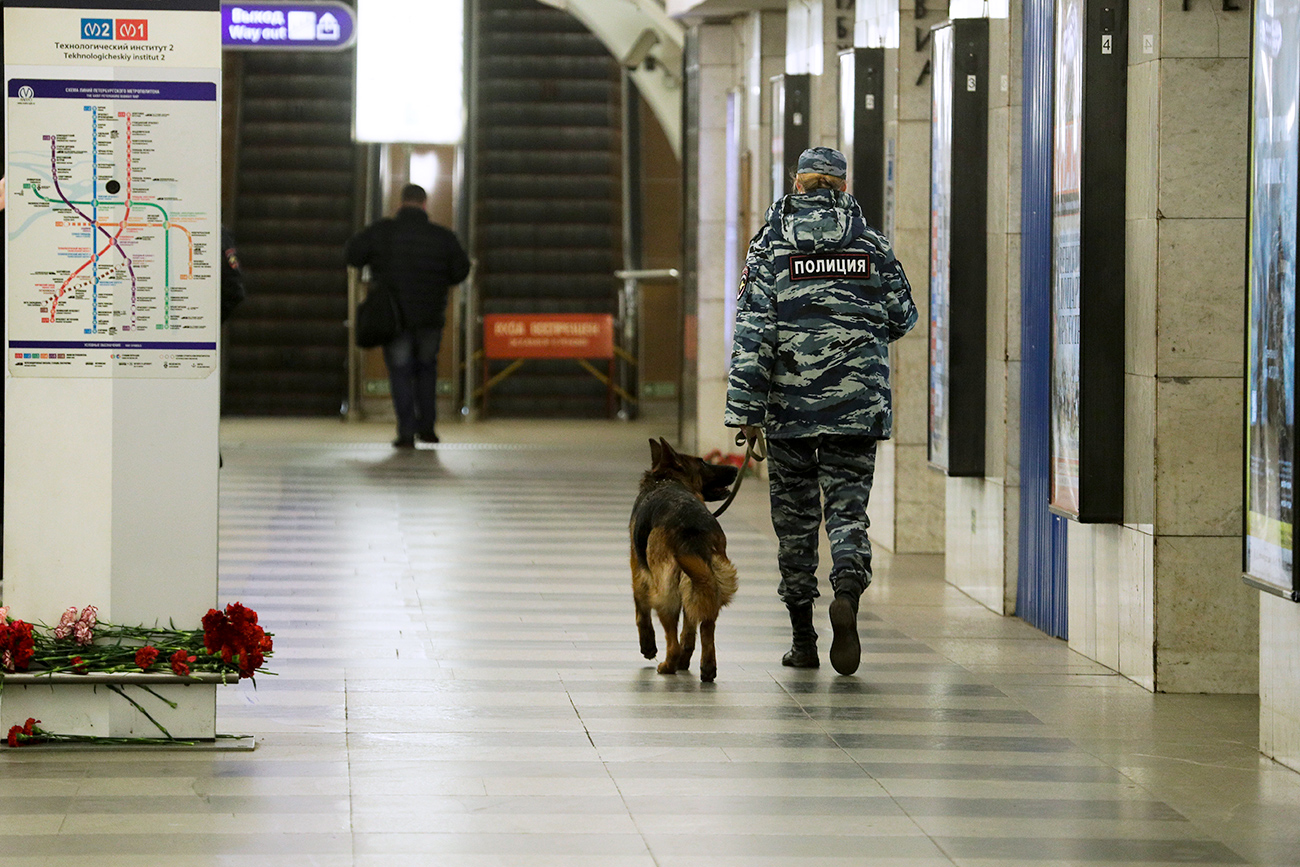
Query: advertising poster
[1067, 174]
[940, 243]
[112, 208]
[1271, 311]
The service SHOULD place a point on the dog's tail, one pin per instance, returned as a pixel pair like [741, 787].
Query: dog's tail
[713, 582]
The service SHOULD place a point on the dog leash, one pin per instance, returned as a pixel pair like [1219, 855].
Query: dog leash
[752, 451]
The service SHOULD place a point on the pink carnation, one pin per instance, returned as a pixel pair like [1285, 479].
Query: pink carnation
[83, 630]
[66, 623]
[4, 613]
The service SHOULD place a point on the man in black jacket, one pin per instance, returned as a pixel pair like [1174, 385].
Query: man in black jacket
[419, 261]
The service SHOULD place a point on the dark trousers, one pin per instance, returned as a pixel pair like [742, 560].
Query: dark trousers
[412, 360]
[803, 471]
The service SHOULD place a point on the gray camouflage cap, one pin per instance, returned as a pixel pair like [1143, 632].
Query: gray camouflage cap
[823, 161]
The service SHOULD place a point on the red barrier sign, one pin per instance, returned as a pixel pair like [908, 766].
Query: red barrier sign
[548, 335]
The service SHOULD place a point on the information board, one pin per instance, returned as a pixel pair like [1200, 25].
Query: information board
[1067, 188]
[1271, 303]
[940, 238]
[1088, 260]
[114, 242]
[958, 247]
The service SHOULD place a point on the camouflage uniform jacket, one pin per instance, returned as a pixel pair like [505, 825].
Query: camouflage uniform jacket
[821, 299]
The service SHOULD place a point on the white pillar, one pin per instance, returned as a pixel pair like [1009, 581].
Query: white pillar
[111, 374]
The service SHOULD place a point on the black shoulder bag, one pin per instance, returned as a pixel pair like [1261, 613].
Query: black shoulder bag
[379, 316]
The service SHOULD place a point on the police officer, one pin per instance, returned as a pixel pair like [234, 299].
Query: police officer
[419, 261]
[821, 298]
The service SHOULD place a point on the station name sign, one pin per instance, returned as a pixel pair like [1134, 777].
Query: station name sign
[324, 26]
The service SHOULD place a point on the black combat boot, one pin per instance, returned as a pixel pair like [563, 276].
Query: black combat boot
[846, 650]
[803, 650]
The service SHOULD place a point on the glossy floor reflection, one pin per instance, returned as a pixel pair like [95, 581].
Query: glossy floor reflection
[459, 684]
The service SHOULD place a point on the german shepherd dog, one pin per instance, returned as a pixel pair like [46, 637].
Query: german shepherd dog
[679, 557]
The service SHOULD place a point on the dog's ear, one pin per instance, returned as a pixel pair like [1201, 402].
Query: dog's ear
[667, 457]
[656, 452]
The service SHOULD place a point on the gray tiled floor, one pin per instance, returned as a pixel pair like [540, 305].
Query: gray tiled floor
[459, 684]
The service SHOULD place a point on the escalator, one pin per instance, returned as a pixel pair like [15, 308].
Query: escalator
[294, 207]
[546, 179]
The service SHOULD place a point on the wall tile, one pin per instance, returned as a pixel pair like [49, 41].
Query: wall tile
[1198, 457]
[1140, 285]
[1011, 546]
[1136, 650]
[773, 25]
[880, 508]
[1013, 296]
[1204, 29]
[1107, 558]
[1015, 122]
[1081, 590]
[713, 354]
[999, 150]
[1142, 156]
[995, 424]
[919, 504]
[716, 44]
[912, 190]
[1234, 31]
[1194, 33]
[1201, 298]
[1143, 21]
[1206, 619]
[912, 249]
[711, 434]
[973, 540]
[1000, 39]
[1012, 472]
[910, 363]
[999, 264]
[1279, 687]
[1015, 85]
[1203, 125]
[1094, 564]
[914, 99]
[715, 83]
[1139, 449]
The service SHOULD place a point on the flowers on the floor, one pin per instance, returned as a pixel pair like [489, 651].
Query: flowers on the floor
[30, 734]
[23, 734]
[735, 460]
[231, 643]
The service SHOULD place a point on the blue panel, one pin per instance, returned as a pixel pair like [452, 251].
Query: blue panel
[1041, 589]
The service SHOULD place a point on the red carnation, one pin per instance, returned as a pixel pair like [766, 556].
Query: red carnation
[145, 657]
[25, 733]
[235, 635]
[214, 630]
[78, 665]
[17, 646]
[180, 662]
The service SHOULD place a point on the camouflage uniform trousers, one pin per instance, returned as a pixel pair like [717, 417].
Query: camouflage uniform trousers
[802, 470]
